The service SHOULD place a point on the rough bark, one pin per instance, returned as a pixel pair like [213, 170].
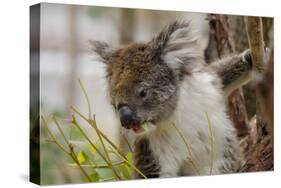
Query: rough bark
[265, 87]
[255, 38]
[259, 157]
[238, 113]
[265, 95]
[258, 134]
[221, 45]
[238, 33]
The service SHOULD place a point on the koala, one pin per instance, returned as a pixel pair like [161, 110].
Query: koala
[167, 84]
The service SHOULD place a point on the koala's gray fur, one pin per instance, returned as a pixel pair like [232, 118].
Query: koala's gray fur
[167, 83]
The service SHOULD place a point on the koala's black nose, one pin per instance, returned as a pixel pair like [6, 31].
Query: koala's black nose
[127, 116]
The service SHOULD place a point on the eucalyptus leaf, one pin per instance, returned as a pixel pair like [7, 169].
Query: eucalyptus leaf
[105, 173]
[123, 171]
[145, 126]
[93, 148]
[95, 177]
[82, 157]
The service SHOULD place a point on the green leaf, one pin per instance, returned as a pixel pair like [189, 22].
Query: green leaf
[74, 133]
[93, 149]
[123, 171]
[129, 157]
[82, 157]
[100, 162]
[95, 177]
[105, 173]
[145, 126]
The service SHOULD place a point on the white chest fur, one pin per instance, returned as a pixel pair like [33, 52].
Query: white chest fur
[194, 139]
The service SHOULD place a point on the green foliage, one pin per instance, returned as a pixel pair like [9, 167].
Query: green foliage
[95, 177]
[101, 161]
[99, 170]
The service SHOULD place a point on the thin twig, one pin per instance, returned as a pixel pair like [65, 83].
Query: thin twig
[70, 153]
[96, 129]
[127, 142]
[93, 124]
[73, 156]
[104, 148]
[113, 145]
[100, 166]
[60, 130]
[92, 144]
[211, 136]
[128, 162]
[87, 98]
[53, 137]
[188, 149]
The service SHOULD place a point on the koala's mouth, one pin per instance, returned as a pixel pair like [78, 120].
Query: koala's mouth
[142, 127]
[129, 119]
[136, 128]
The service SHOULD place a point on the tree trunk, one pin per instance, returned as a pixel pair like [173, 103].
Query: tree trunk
[220, 45]
[258, 149]
[260, 156]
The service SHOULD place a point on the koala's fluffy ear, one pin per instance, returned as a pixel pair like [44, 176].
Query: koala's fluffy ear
[177, 45]
[102, 49]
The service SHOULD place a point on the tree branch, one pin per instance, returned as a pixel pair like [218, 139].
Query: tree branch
[259, 157]
[256, 42]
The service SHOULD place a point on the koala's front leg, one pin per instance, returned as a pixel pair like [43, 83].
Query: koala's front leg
[144, 159]
[150, 165]
[234, 70]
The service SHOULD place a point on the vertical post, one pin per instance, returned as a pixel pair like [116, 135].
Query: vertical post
[254, 30]
[126, 26]
[73, 49]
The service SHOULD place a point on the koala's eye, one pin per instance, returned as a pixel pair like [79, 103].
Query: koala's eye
[142, 93]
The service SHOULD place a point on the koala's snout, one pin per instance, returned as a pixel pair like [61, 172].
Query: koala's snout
[127, 116]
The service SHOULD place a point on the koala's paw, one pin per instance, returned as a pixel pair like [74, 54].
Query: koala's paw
[247, 57]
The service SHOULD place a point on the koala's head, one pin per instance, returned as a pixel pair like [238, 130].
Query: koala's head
[144, 78]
